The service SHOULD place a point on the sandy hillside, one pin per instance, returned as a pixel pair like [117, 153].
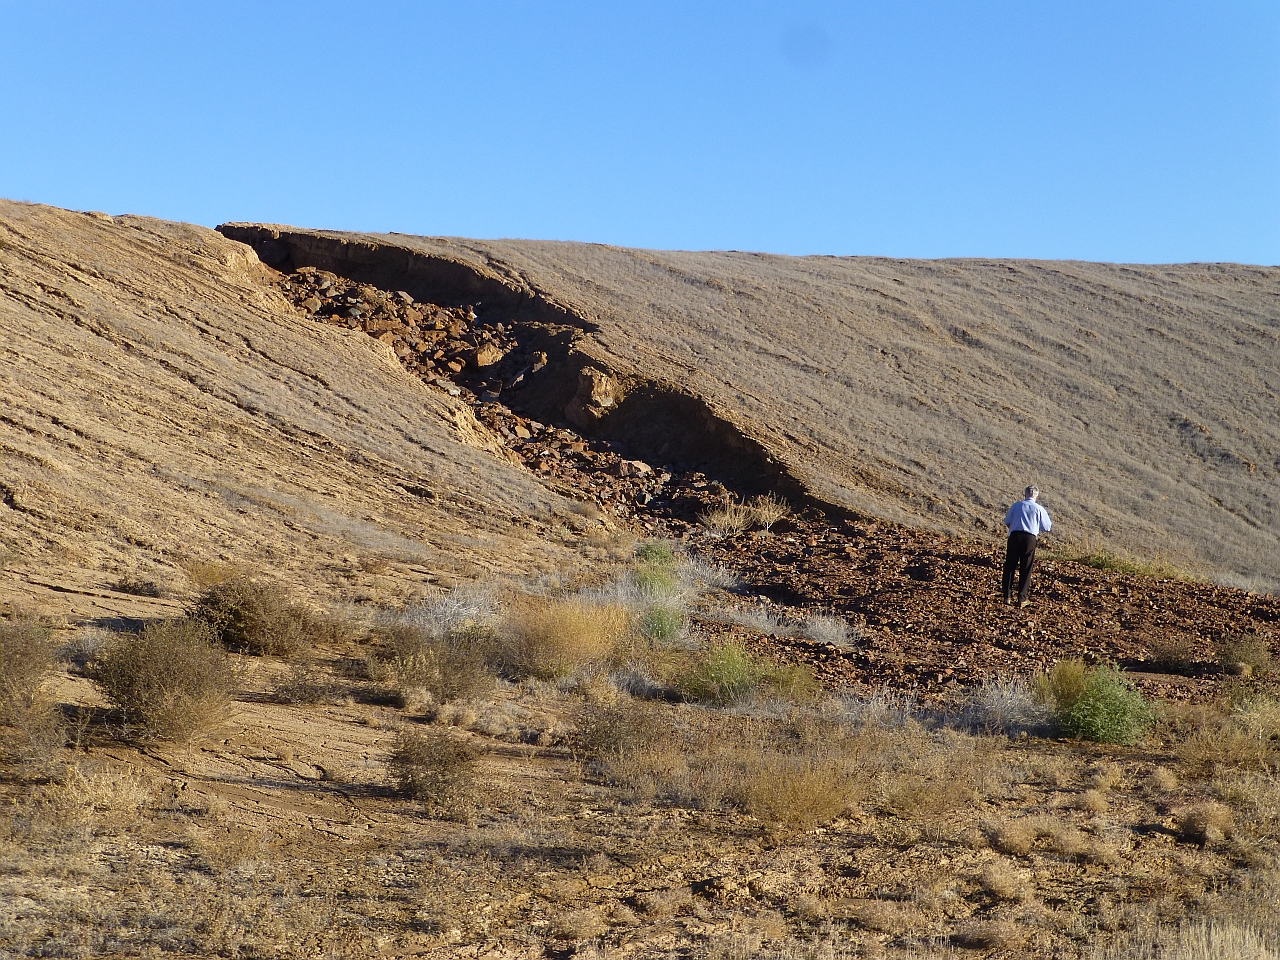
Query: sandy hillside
[1143, 399]
[162, 405]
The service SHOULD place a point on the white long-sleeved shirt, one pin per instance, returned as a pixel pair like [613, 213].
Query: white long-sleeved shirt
[1028, 516]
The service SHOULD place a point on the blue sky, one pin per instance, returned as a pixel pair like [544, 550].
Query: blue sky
[1135, 131]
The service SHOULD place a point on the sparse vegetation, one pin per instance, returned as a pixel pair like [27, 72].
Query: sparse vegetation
[30, 728]
[767, 509]
[418, 666]
[1131, 566]
[728, 520]
[138, 587]
[171, 681]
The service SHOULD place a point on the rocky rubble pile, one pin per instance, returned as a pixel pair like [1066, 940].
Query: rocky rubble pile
[486, 363]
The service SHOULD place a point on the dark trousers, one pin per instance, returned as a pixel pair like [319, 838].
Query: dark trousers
[1019, 554]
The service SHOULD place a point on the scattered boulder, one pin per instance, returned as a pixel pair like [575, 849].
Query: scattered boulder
[598, 394]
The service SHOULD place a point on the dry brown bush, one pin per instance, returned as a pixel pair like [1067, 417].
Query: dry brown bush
[767, 509]
[435, 767]
[1245, 655]
[30, 727]
[254, 616]
[172, 680]
[416, 665]
[552, 638]
[727, 520]
[1205, 823]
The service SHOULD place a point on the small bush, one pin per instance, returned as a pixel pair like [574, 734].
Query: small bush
[728, 520]
[655, 553]
[655, 581]
[1245, 654]
[1205, 823]
[26, 657]
[137, 587]
[549, 639]
[1001, 706]
[1170, 655]
[435, 767]
[172, 680]
[1106, 709]
[730, 674]
[30, 727]
[662, 623]
[722, 675]
[793, 790]
[256, 617]
[1062, 684]
[767, 509]
[414, 663]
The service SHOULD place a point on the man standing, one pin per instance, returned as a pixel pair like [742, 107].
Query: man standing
[1025, 520]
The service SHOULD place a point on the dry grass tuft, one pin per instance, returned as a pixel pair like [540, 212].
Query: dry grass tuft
[728, 520]
[767, 509]
[1002, 880]
[1162, 780]
[1205, 823]
[1092, 801]
[552, 638]
[172, 681]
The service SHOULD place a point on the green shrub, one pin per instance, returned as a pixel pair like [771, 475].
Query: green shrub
[172, 680]
[435, 767]
[721, 675]
[256, 617]
[655, 581]
[1106, 709]
[662, 623]
[655, 553]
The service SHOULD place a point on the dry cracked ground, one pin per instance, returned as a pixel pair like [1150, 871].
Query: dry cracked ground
[809, 736]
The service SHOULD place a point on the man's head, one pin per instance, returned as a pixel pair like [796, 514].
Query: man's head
[1031, 492]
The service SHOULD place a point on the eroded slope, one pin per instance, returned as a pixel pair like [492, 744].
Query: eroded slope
[1142, 398]
[162, 404]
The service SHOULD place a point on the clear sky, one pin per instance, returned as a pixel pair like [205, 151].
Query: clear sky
[1117, 130]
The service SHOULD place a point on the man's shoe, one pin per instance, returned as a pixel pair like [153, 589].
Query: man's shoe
[1024, 604]
[1008, 601]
